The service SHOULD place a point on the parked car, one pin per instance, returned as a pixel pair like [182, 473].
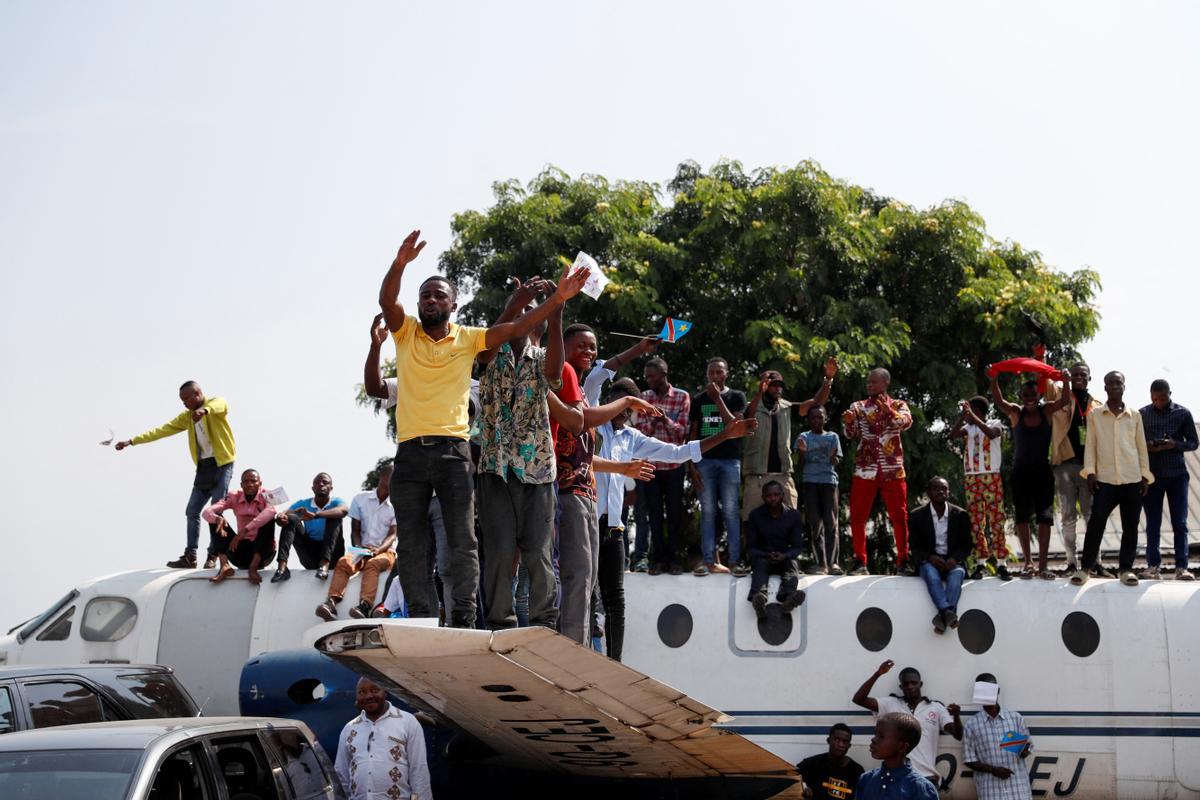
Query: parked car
[217, 758]
[43, 697]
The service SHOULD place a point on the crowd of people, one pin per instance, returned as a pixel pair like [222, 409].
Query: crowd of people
[515, 492]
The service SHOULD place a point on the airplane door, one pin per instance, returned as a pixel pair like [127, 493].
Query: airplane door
[205, 638]
[780, 635]
[1180, 609]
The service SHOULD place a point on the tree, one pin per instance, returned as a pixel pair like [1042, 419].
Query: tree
[780, 268]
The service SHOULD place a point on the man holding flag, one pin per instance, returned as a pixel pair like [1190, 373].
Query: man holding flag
[995, 746]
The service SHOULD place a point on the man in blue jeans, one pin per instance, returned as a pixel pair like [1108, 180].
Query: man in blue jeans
[1170, 432]
[718, 477]
[940, 541]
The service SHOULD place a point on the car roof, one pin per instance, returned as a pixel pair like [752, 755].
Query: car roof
[138, 733]
[37, 670]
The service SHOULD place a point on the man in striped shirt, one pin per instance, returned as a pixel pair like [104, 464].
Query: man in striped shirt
[1170, 432]
[995, 746]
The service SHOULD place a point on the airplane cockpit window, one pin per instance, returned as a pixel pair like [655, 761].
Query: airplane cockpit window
[54, 703]
[8, 721]
[180, 777]
[244, 769]
[107, 619]
[31, 627]
[58, 630]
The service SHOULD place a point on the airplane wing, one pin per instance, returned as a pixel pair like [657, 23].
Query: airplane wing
[551, 705]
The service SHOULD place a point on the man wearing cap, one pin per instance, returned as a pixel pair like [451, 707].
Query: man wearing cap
[767, 454]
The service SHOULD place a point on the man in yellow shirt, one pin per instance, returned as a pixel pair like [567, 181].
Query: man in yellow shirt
[1116, 464]
[433, 383]
[210, 440]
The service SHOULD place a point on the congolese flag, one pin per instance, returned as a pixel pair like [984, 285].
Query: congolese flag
[1013, 742]
[674, 329]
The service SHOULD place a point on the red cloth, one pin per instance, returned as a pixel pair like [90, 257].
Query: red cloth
[1019, 365]
[862, 500]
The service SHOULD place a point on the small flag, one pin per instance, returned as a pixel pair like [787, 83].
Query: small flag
[1013, 742]
[674, 329]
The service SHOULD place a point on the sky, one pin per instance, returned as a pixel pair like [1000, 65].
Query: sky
[214, 191]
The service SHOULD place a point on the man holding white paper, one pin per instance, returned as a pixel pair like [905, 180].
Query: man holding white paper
[995, 746]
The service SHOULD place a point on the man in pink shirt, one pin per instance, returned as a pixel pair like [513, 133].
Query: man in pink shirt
[254, 542]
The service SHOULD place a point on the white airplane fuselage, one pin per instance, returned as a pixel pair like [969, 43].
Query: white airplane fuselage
[1106, 675]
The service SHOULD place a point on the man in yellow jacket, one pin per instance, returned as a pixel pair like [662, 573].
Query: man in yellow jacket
[210, 441]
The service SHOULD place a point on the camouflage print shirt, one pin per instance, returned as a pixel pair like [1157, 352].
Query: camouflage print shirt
[516, 417]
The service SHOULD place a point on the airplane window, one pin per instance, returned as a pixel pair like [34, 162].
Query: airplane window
[300, 762]
[62, 703]
[8, 720]
[675, 625]
[1080, 633]
[874, 629]
[976, 631]
[40, 619]
[244, 769]
[58, 630]
[181, 777]
[107, 619]
[777, 626]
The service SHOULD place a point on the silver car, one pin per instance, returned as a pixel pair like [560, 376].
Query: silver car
[217, 758]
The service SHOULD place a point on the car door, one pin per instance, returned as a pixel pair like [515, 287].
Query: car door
[65, 701]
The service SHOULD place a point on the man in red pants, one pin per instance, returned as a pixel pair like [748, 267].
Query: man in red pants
[878, 466]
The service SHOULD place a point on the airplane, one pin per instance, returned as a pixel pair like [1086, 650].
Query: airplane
[1104, 674]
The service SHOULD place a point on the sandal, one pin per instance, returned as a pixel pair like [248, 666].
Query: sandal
[1047, 575]
[1027, 572]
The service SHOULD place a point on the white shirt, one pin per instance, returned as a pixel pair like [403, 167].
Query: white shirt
[933, 717]
[375, 517]
[941, 530]
[982, 454]
[390, 384]
[203, 445]
[384, 759]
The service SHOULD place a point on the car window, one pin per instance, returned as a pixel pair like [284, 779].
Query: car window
[62, 703]
[58, 630]
[8, 716]
[67, 774]
[150, 695]
[301, 765]
[181, 777]
[107, 619]
[243, 768]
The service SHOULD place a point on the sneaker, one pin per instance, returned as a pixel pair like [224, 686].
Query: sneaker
[939, 623]
[759, 601]
[361, 611]
[700, 571]
[977, 575]
[656, 569]
[677, 570]
[740, 570]
[322, 573]
[951, 618]
[1099, 571]
[793, 601]
[210, 562]
[185, 561]
[1080, 577]
[327, 610]
[814, 569]
[462, 621]
[1129, 578]
[1150, 574]
[860, 569]
[906, 570]
[380, 612]
[641, 565]
[1182, 574]
[1070, 569]
[281, 575]
[1002, 573]
[718, 569]
[836, 570]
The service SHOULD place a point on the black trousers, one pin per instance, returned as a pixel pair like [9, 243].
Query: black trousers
[612, 587]
[1109, 497]
[762, 569]
[423, 465]
[665, 492]
[311, 551]
[242, 555]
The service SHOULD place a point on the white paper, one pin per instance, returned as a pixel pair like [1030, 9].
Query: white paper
[596, 280]
[985, 693]
[276, 496]
[107, 442]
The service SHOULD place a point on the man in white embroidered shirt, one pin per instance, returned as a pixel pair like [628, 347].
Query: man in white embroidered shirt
[381, 752]
[995, 746]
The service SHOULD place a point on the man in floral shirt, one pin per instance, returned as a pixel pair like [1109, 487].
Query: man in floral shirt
[878, 466]
[516, 467]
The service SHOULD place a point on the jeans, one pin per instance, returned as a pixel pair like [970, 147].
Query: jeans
[442, 464]
[761, 570]
[641, 541]
[612, 588]
[1071, 488]
[516, 518]
[210, 485]
[311, 551]
[945, 586]
[242, 556]
[821, 513]
[521, 595]
[663, 492]
[1108, 497]
[1175, 489]
[578, 556]
[722, 481]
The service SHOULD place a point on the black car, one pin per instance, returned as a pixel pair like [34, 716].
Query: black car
[47, 696]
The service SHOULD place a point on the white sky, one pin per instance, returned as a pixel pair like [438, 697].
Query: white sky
[214, 190]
